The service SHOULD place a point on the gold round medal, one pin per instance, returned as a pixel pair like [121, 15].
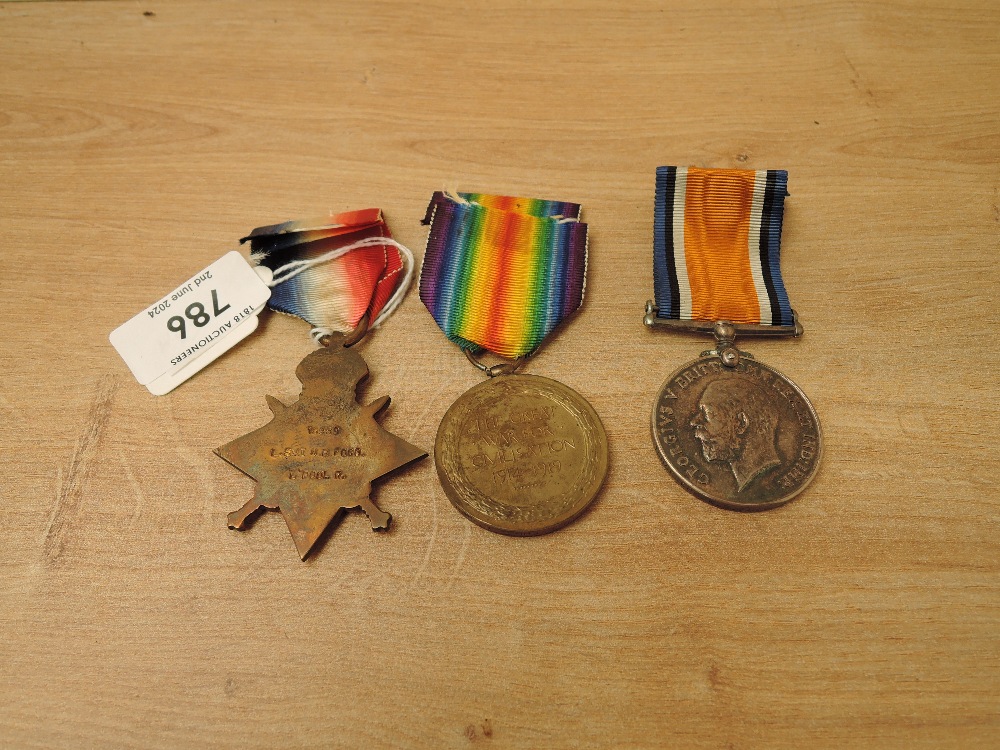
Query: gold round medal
[521, 454]
[743, 437]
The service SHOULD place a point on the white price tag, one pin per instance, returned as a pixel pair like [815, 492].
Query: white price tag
[195, 324]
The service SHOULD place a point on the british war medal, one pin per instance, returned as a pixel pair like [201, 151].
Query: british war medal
[730, 429]
[318, 456]
[517, 454]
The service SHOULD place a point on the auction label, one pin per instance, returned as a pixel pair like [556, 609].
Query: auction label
[211, 308]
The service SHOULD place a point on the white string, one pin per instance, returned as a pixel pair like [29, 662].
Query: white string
[293, 269]
[453, 195]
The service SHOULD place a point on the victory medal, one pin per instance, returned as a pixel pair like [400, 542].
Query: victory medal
[730, 429]
[517, 454]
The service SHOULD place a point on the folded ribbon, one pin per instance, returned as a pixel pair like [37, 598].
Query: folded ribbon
[332, 294]
[501, 272]
[717, 243]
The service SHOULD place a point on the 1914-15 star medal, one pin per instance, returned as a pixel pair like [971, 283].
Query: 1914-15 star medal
[318, 456]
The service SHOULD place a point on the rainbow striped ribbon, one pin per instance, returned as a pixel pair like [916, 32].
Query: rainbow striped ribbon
[529, 206]
[500, 272]
[337, 293]
[717, 243]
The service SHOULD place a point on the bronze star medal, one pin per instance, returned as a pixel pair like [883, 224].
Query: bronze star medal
[319, 456]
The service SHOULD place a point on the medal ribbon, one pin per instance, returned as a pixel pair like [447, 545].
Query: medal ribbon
[717, 243]
[500, 272]
[529, 206]
[332, 270]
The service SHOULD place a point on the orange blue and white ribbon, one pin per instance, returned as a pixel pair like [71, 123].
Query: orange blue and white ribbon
[716, 245]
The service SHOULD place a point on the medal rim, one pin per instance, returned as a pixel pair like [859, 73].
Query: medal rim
[693, 488]
[584, 406]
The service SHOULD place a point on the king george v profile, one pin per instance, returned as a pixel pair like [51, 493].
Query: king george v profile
[736, 424]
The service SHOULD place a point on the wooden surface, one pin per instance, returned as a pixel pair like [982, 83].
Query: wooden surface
[139, 139]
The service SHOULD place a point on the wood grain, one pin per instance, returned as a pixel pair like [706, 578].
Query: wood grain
[138, 140]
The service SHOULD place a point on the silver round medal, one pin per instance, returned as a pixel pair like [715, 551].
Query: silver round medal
[743, 437]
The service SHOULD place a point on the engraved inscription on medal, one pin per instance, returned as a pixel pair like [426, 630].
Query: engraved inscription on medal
[300, 452]
[320, 438]
[743, 437]
[522, 450]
